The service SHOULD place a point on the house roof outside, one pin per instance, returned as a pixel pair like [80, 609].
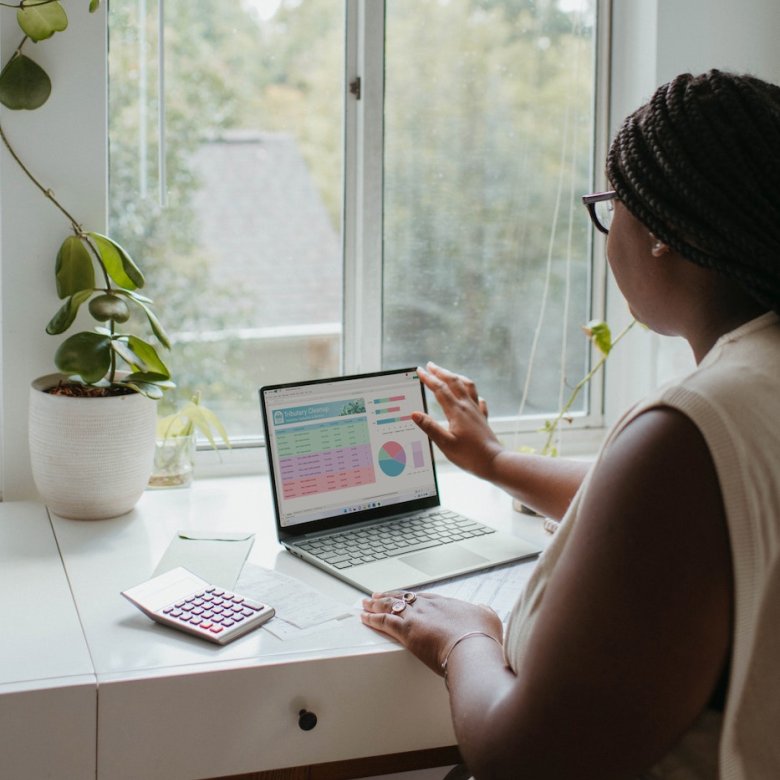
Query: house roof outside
[268, 231]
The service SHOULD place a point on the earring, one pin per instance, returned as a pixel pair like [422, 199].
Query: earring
[659, 248]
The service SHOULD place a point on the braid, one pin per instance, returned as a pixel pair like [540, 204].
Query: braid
[699, 166]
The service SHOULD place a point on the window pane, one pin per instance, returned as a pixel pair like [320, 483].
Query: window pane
[238, 230]
[489, 124]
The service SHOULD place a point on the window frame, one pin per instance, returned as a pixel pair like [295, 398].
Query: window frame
[30, 228]
[363, 193]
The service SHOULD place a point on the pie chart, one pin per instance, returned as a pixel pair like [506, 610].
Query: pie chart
[392, 458]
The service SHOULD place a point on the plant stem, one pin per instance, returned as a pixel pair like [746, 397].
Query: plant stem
[77, 229]
[47, 193]
[553, 426]
[22, 4]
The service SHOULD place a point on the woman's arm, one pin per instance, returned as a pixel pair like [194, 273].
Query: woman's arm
[633, 633]
[547, 485]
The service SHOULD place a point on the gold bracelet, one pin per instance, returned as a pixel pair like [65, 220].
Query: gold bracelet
[456, 643]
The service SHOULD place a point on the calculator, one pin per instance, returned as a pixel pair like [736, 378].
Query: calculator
[180, 599]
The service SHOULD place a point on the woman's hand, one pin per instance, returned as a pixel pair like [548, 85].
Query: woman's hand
[428, 624]
[469, 441]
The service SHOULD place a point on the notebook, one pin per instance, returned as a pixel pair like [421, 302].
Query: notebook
[355, 490]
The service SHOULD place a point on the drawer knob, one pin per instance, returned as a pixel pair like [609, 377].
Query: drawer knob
[306, 720]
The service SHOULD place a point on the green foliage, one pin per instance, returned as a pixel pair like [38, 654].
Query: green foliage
[23, 83]
[487, 138]
[89, 266]
[191, 417]
[353, 407]
[40, 19]
[477, 115]
[600, 336]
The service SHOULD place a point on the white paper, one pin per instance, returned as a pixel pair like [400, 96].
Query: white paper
[499, 587]
[299, 608]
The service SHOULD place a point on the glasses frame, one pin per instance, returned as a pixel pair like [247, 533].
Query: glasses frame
[590, 202]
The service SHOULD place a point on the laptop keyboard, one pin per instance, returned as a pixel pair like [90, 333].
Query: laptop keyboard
[431, 528]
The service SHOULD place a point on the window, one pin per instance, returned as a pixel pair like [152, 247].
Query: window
[315, 187]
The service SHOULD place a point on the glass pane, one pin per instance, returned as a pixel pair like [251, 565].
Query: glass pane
[238, 230]
[489, 124]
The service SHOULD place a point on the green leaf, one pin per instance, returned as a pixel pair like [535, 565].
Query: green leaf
[86, 354]
[119, 265]
[174, 425]
[40, 19]
[73, 270]
[23, 84]
[141, 356]
[149, 389]
[93, 5]
[136, 296]
[156, 326]
[600, 335]
[192, 415]
[121, 349]
[64, 317]
[205, 420]
[149, 376]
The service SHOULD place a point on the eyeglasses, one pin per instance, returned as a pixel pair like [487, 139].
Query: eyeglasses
[601, 207]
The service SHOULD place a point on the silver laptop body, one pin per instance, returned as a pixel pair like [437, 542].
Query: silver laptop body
[355, 490]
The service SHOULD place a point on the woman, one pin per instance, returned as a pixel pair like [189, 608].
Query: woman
[648, 642]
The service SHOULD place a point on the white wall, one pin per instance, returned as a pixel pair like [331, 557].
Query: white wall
[652, 42]
[64, 145]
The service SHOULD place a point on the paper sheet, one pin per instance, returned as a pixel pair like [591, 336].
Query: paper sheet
[299, 608]
[499, 587]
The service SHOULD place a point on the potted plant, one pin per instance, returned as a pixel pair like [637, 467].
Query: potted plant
[92, 425]
[175, 446]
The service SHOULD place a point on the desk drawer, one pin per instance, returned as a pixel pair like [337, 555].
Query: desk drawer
[47, 729]
[206, 724]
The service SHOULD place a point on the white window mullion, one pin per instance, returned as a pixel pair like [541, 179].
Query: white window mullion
[363, 185]
[595, 417]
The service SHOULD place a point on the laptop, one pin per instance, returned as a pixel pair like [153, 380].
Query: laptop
[355, 490]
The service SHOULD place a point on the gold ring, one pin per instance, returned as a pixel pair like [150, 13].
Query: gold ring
[398, 606]
[409, 597]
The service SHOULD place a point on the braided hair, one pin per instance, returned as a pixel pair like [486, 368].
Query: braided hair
[699, 166]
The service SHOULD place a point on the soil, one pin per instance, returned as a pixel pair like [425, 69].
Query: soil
[76, 390]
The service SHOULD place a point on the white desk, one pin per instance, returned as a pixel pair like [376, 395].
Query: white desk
[171, 706]
[46, 675]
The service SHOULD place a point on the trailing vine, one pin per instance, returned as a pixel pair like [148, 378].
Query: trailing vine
[87, 357]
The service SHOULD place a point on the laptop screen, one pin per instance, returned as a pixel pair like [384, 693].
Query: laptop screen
[346, 449]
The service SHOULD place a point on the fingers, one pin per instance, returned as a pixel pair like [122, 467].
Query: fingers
[383, 612]
[385, 622]
[450, 388]
[459, 385]
[438, 433]
[389, 602]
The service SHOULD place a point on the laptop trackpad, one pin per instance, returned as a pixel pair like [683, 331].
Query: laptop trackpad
[443, 560]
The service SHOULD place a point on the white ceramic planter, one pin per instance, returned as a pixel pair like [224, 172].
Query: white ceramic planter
[91, 457]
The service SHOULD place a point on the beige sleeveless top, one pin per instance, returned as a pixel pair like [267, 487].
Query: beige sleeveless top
[733, 397]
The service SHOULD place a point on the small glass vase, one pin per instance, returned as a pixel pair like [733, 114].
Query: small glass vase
[174, 460]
